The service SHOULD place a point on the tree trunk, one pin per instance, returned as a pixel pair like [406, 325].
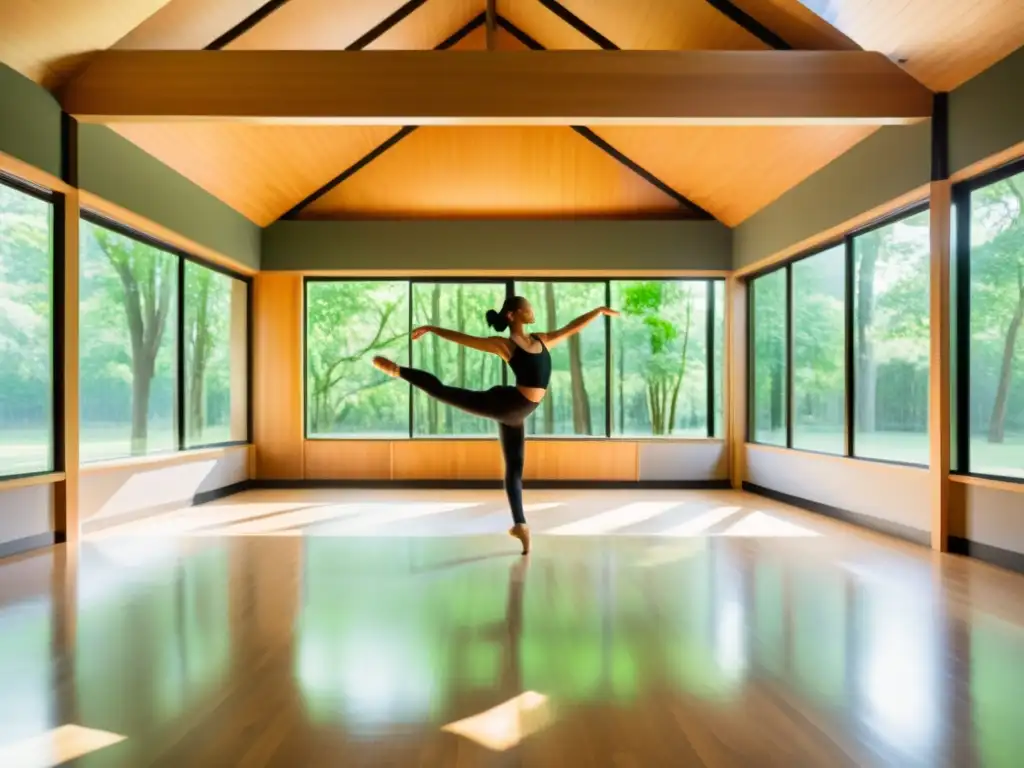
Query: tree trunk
[142, 380]
[682, 367]
[200, 358]
[435, 319]
[549, 402]
[580, 400]
[622, 387]
[460, 322]
[867, 375]
[997, 423]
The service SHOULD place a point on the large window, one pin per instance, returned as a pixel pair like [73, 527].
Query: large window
[654, 372]
[216, 357]
[992, 375]
[891, 341]
[153, 379]
[819, 354]
[26, 323]
[839, 347]
[768, 343]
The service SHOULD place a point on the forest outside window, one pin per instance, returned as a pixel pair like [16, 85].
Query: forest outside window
[154, 379]
[653, 372]
[991, 415]
[26, 328]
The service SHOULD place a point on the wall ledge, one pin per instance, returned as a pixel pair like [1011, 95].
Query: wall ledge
[45, 478]
[1007, 486]
[159, 460]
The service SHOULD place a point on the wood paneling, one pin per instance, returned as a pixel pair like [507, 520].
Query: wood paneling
[47, 39]
[348, 460]
[493, 171]
[429, 24]
[945, 42]
[315, 25]
[544, 26]
[278, 344]
[67, 522]
[477, 41]
[583, 460]
[447, 460]
[736, 379]
[499, 87]
[188, 24]
[259, 170]
[797, 24]
[733, 171]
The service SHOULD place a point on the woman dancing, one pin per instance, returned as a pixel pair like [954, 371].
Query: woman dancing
[529, 358]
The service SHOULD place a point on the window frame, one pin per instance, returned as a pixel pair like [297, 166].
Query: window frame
[56, 201]
[510, 290]
[182, 257]
[960, 322]
[846, 241]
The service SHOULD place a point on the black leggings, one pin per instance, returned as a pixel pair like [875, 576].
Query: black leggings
[505, 405]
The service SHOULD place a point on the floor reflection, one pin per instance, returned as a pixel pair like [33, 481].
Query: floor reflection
[609, 648]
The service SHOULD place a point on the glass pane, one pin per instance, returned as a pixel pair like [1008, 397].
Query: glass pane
[997, 339]
[215, 357]
[891, 341]
[26, 322]
[128, 315]
[659, 351]
[348, 323]
[459, 307]
[574, 404]
[718, 363]
[819, 352]
[768, 331]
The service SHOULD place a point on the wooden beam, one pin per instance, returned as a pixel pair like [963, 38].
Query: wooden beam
[498, 87]
[736, 379]
[940, 420]
[491, 17]
[67, 522]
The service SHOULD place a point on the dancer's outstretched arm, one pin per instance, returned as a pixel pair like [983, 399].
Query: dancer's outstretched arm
[554, 338]
[496, 345]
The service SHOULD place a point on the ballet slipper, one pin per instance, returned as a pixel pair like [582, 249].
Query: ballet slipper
[386, 366]
[522, 533]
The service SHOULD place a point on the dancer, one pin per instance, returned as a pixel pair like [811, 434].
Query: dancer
[529, 358]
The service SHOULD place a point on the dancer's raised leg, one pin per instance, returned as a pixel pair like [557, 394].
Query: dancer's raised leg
[471, 401]
[513, 449]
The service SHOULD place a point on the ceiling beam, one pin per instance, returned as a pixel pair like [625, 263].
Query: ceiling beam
[498, 87]
[749, 23]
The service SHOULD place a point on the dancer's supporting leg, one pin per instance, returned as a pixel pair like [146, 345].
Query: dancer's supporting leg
[513, 448]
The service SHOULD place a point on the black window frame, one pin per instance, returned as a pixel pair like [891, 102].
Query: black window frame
[846, 241]
[510, 283]
[182, 256]
[57, 309]
[960, 318]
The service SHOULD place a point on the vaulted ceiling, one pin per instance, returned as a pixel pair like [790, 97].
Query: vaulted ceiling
[270, 171]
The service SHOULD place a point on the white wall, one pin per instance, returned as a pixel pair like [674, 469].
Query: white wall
[893, 495]
[122, 491]
[697, 460]
[995, 518]
[25, 512]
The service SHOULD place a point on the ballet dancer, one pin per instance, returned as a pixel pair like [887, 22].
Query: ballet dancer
[530, 360]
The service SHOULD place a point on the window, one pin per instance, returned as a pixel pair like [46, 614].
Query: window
[216, 365]
[995, 402]
[818, 320]
[127, 364]
[768, 343]
[26, 324]
[660, 376]
[460, 307]
[664, 370]
[347, 324]
[136, 349]
[575, 402]
[891, 341]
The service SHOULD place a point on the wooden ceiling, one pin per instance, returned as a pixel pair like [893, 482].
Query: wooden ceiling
[264, 171]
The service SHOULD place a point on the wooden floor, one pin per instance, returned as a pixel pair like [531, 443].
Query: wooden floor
[330, 628]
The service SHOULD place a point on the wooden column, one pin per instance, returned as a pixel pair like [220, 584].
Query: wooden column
[736, 378]
[278, 361]
[939, 417]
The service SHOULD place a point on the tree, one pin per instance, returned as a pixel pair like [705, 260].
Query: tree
[552, 321]
[147, 278]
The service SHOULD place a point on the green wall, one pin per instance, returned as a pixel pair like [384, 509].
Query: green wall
[471, 246]
[986, 114]
[118, 171]
[29, 122]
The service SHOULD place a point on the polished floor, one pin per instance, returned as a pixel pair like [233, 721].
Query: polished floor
[331, 628]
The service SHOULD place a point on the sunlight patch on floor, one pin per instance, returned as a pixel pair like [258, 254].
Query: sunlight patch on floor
[506, 725]
[614, 519]
[55, 747]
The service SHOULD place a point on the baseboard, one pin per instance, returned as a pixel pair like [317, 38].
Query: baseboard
[1003, 558]
[21, 546]
[205, 497]
[896, 530]
[495, 484]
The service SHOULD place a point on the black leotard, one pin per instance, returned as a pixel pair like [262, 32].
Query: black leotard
[532, 369]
